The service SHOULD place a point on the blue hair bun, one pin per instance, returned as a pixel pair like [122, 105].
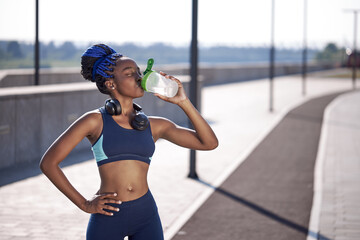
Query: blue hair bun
[107, 57]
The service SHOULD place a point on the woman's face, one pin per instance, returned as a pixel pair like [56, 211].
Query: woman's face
[127, 78]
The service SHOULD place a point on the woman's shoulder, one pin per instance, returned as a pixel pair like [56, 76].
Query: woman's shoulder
[91, 117]
[159, 120]
[95, 112]
[160, 123]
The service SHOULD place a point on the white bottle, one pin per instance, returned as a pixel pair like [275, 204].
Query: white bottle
[157, 83]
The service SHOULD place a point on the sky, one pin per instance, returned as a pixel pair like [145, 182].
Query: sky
[225, 22]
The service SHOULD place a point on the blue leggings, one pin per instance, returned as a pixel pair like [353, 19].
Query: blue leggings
[137, 219]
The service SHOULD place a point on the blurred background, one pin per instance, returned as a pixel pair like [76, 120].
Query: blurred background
[229, 31]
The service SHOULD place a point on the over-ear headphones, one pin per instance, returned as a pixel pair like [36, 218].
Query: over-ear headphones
[140, 120]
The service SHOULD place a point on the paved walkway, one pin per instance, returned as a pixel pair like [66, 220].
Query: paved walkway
[269, 196]
[336, 207]
[34, 209]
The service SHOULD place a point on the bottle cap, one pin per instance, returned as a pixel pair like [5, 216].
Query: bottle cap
[147, 72]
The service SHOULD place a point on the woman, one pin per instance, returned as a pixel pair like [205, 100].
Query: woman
[123, 206]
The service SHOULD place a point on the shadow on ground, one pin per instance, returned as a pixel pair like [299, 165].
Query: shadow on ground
[26, 170]
[265, 212]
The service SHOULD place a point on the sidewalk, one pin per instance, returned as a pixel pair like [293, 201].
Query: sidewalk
[336, 206]
[269, 196]
[34, 209]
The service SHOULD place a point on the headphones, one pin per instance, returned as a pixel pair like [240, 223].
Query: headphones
[140, 120]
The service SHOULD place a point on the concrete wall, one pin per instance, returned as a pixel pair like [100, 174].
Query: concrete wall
[25, 77]
[212, 74]
[33, 117]
[219, 74]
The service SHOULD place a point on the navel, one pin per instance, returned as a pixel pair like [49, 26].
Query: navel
[130, 188]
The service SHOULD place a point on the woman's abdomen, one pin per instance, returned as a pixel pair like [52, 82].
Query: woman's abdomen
[128, 178]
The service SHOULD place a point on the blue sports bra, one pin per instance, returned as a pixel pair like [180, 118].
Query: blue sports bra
[117, 143]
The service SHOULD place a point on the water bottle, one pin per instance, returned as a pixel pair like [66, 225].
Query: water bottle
[157, 83]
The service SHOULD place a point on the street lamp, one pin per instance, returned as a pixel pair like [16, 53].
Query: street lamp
[194, 82]
[272, 57]
[37, 49]
[304, 55]
[355, 11]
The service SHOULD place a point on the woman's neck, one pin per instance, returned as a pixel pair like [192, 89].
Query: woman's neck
[126, 105]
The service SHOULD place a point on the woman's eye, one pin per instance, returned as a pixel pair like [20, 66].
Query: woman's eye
[131, 74]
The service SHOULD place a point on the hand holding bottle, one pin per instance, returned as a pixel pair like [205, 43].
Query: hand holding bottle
[180, 95]
[158, 83]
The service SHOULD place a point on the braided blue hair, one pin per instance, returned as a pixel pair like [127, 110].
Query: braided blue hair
[106, 58]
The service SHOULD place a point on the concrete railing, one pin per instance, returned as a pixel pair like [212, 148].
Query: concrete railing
[33, 117]
[227, 73]
[25, 77]
[212, 73]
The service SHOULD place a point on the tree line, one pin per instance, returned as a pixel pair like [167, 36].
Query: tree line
[17, 54]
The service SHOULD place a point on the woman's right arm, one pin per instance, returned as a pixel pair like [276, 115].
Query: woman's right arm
[85, 126]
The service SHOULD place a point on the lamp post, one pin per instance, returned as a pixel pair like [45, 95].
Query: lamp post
[194, 81]
[355, 50]
[304, 53]
[272, 58]
[355, 11]
[36, 50]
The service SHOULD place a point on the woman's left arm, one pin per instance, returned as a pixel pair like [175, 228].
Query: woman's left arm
[201, 138]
